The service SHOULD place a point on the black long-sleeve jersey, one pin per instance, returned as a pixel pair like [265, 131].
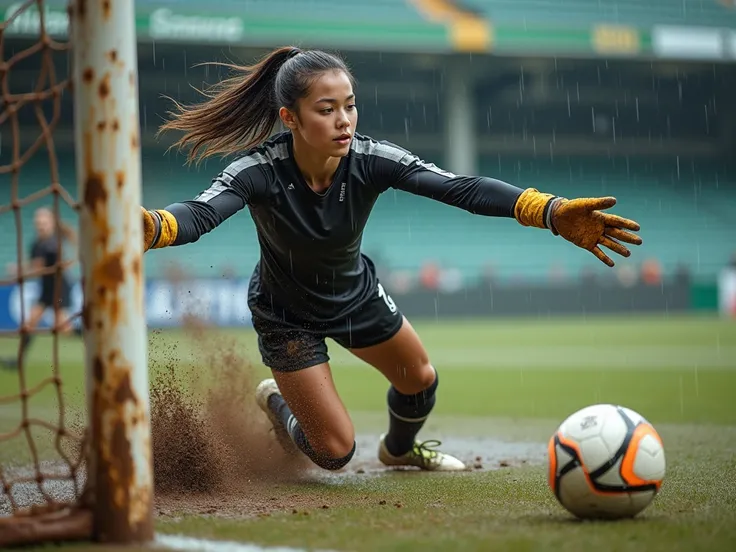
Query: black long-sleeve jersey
[311, 263]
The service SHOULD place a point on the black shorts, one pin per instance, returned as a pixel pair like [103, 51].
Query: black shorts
[298, 344]
[47, 298]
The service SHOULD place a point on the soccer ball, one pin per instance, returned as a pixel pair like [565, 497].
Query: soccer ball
[605, 462]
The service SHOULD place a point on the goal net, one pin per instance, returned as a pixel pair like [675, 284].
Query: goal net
[75, 458]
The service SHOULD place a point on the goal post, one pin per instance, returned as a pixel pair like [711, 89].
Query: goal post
[106, 495]
[108, 164]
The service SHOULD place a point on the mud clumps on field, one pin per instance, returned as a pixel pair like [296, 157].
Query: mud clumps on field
[208, 435]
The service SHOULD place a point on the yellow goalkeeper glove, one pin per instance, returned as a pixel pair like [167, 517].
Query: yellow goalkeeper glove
[159, 229]
[579, 221]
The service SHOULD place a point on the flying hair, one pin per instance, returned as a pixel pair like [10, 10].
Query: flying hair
[241, 111]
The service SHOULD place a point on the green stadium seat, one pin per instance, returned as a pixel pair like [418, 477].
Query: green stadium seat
[684, 215]
[566, 13]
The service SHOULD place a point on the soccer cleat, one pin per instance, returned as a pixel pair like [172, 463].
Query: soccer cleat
[422, 455]
[264, 391]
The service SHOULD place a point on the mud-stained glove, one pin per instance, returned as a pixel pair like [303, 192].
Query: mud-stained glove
[579, 221]
[159, 229]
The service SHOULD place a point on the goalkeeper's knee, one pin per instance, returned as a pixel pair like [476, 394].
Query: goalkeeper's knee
[159, 228]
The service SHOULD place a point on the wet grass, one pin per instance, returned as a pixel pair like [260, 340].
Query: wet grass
[510, 379]
[508, 509]
[505, 509]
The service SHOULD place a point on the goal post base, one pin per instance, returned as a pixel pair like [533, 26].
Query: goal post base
[35, 526]
[97, 64]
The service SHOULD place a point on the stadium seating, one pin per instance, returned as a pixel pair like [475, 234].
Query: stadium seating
[512, 12]
[267, 17]
[378, 10]
[584, 12]
[683, 211]
[410, 230]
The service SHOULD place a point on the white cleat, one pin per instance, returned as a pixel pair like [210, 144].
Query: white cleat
[422, 455]
[264, 391]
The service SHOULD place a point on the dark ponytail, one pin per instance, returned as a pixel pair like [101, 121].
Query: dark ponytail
[241, 111]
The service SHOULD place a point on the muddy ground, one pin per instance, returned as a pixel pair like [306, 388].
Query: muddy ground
[214, 453]
[251, 488]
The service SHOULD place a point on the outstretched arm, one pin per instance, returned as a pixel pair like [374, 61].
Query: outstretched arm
[579, 221]
[394, 167]
[41, 257]
[186, 221]
[476, 194]
[479, 195]
[35, 264]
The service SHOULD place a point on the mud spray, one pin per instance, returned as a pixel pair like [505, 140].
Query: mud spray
[210, 440]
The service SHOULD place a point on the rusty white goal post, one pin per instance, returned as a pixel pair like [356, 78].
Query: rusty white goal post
[108, 163]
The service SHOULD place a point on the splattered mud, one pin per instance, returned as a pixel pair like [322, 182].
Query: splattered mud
[282, 491]
[214, 453]
[257, 479]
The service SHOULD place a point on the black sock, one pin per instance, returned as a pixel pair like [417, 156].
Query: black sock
[407, 414]
[278, 404]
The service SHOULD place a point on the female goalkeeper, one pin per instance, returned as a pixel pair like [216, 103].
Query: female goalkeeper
[310, 191]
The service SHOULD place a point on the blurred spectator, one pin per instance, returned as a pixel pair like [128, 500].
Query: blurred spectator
[450, 280]
[429, 275]
[557, 274]
[488, 273]
[682, 273]
[401, 281]
[627, 276]
[588, 275]
[651, 272]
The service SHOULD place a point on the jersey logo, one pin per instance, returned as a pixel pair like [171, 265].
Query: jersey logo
[342, 192]
[290, 186]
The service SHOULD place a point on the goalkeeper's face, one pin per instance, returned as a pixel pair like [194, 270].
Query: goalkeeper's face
[326, 118]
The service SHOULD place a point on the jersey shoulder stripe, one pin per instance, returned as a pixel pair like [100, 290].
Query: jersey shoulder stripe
[364, 145]
[271, 151]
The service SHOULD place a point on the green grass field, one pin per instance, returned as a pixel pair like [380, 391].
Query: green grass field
[505, 386]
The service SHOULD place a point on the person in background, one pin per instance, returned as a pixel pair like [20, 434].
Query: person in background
[44, 254]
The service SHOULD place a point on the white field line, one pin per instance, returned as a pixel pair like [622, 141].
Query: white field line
[181, 542]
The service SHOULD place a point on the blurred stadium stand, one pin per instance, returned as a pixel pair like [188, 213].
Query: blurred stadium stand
[659, 134]
[620, 12]
[686, 214]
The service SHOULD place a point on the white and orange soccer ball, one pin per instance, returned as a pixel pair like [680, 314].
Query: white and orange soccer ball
[605, 462]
